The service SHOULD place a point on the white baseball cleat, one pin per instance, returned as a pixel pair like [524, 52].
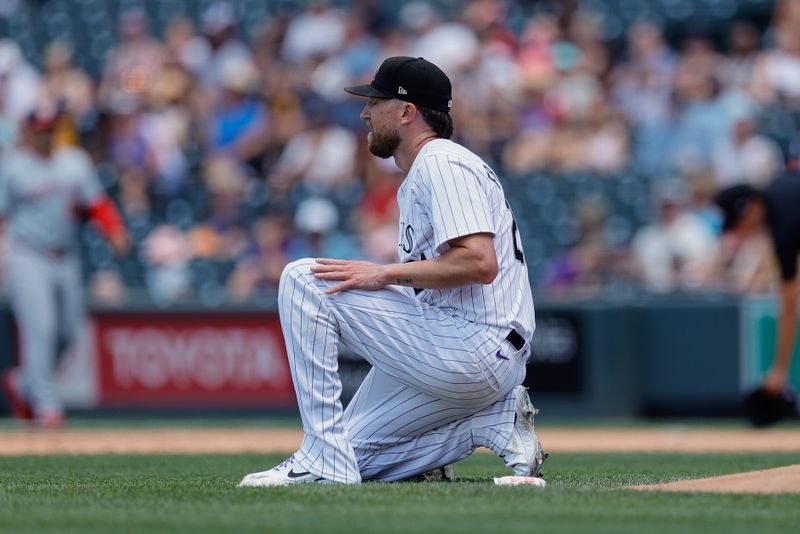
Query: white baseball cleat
[285, 473]
[524, 452]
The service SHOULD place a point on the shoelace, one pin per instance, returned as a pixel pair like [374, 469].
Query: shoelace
[286, 462]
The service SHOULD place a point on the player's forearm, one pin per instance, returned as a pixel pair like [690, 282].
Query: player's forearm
[455, 268]
[104, 214]
[787, 326]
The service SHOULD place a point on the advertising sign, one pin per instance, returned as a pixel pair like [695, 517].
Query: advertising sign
[556, 362]
[191, 359]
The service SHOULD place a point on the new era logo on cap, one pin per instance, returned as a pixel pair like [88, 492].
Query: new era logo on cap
[412, 79]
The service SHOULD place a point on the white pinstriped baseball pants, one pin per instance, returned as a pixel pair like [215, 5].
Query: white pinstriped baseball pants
[439, 387]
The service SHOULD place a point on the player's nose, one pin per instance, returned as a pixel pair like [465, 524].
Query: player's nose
[364, 113]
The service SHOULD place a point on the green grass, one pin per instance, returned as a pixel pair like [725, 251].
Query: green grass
[182, 493]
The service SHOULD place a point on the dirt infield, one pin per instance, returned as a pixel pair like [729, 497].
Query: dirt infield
[144, 441]
[249, 440]
[233, 440]
[778, 480]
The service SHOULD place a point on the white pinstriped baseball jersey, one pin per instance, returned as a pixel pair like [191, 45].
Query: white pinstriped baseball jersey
[444, 375]
[447, 364]
[450, 192]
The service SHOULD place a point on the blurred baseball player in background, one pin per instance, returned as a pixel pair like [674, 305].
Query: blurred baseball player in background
[776, 209]
[447, 329]
[44, 187]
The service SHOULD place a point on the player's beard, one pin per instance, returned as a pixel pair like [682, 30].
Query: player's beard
[384, 145]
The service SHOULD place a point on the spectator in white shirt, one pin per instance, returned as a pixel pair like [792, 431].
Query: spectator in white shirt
[677, 251]
[745, 156]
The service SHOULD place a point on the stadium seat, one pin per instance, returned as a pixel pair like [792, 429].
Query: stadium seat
[179, 212]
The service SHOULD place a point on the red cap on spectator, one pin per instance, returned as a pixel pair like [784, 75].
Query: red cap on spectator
[41, 120]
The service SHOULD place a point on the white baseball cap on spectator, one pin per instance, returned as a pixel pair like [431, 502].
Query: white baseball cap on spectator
[218, 17]
[671, 192]
[239, 74]
[316, 215]
[418, 16]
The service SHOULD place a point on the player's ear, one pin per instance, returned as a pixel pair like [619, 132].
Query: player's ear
[408, 113]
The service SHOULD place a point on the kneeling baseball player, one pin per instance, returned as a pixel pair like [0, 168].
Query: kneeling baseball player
[447, 329]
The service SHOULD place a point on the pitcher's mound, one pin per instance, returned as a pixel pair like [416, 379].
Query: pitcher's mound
[778, 480]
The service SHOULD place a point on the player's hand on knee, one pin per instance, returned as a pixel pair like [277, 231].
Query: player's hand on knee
[353, 274]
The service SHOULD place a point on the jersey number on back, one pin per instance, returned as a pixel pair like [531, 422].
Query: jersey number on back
[517, 247]
[515, 237]
[514, 230]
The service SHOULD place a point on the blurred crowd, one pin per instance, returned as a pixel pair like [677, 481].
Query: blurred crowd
[230, 157]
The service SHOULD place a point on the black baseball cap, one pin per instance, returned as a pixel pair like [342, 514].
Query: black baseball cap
[412, 79]
[733, 202]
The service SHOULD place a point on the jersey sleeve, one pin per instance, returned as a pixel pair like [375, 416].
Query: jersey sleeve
[90, 190]
[459, 203]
